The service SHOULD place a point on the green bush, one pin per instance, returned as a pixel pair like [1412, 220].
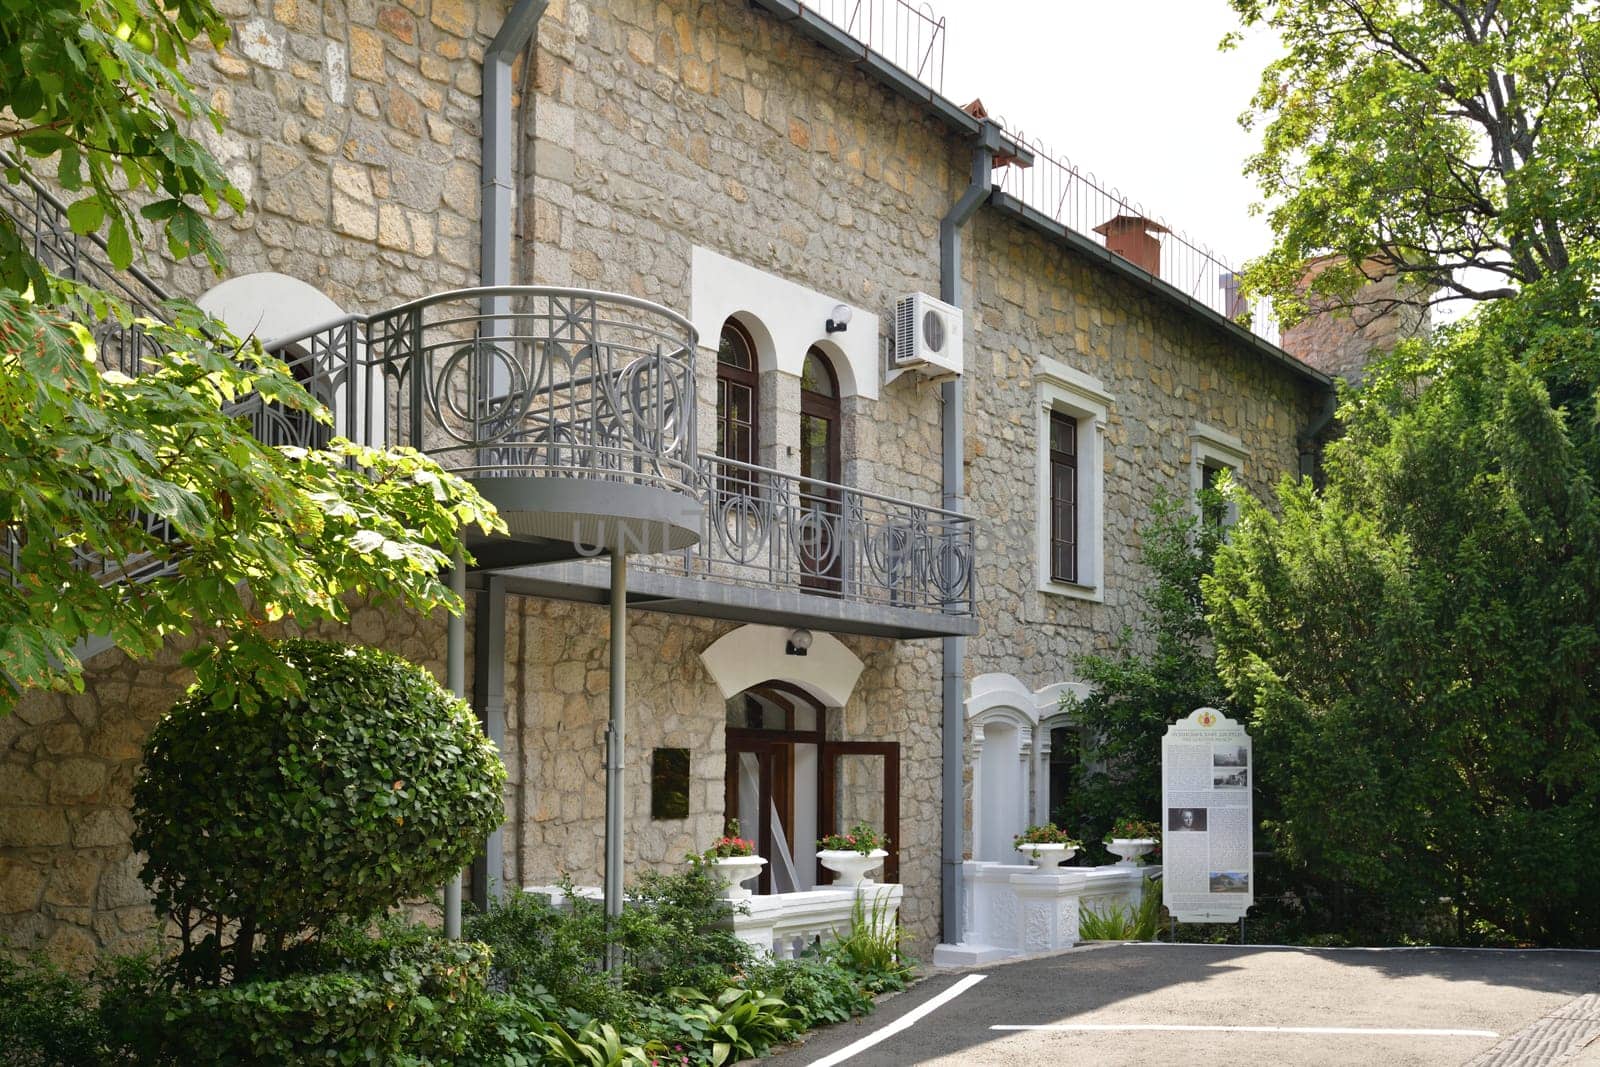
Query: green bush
[816, 984]
[668, 933]
[46, 1017]
[413, 1001]
[872, 948]
[1155, 674]
[1418, 644]
[539, 947]
[372, 785]
[1119, 923]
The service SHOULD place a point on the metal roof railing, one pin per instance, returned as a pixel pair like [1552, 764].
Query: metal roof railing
[1062, 191]
[909, 35]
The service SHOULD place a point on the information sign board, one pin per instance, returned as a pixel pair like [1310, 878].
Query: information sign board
[1208, 824]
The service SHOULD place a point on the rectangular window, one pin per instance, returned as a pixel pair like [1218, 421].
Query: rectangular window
[1063, 497]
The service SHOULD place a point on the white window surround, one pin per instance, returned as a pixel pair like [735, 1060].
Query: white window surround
[784, 319]
[1211, 447]
[1071, 392]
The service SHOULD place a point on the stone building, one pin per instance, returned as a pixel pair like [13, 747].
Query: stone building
[939, 548]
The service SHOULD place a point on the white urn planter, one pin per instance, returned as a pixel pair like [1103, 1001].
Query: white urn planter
[1129, 849]
[736, 870]
[851, 866]
[1048, 857]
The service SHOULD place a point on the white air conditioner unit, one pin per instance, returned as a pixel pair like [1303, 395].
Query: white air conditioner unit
[927, 337]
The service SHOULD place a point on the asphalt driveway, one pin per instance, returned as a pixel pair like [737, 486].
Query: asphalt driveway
[1178, 1004]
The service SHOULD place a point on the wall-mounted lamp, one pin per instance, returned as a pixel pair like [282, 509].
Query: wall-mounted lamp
[839, 320]
[799, 643]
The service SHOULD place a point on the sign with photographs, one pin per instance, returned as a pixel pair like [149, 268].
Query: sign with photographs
[1208, 843]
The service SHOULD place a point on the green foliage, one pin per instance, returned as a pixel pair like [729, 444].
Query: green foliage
[863, 837]
[415, 1000]
[371, 786]
[1434, 135]
[1117, 922]
[1132, 828]
[816, 984]
[736, 1024]
[47, 1018]
[92, 98]
[1157, 674]
[95, 463]
[669, 932]
[1045, 834]
[730, 844]
[1419, 644]
[97, 89]
[872, 947]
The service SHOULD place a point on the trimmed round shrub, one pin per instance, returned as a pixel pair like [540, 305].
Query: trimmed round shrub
[371, 786]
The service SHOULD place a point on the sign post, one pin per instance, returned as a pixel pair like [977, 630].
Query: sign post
[1208, 847]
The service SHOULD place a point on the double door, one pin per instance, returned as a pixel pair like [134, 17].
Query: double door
[789, 787]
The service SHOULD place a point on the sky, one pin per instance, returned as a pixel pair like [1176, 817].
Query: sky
[1135, 91]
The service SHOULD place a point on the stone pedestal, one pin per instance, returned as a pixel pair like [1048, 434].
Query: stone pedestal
[1014, 910]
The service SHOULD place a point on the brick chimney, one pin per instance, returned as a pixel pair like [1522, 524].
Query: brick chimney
[1133, 237]
[1340, 342]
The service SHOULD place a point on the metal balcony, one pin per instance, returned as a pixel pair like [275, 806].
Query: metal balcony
[571, 411]
[778, 549]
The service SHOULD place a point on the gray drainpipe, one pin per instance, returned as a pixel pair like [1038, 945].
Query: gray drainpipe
[1309, 437]
[494, 263]
[952, 395]
[495, 223]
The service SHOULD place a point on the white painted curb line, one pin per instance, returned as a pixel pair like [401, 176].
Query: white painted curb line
[1356, 1031]
[905, 1022]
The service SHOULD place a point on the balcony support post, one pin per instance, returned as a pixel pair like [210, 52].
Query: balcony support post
[616, 739]
[455, 678]
[489, 701]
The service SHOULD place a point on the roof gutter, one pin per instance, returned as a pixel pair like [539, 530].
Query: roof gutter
[952, 394]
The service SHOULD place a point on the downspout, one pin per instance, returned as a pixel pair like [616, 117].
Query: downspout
[952, 395]
[1310, 437]
[495, 266]
[494, 254]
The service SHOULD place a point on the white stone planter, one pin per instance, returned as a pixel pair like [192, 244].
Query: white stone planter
[1129, 849]
[736, 870]
[851, 866]
[1048, 857]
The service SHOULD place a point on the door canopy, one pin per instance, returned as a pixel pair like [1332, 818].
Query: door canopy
[754, 654]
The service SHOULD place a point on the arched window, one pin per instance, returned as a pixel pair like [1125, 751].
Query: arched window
[738, 395]
[821, 539]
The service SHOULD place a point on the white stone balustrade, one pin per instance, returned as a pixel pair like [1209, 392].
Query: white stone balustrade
[784, 925]
[1016, 910]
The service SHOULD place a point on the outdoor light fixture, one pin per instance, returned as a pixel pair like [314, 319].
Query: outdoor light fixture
[799, 643]
[839, 320]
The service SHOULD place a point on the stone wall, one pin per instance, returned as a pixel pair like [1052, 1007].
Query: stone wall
[1165, 371]
[352, 130]
[651, 127]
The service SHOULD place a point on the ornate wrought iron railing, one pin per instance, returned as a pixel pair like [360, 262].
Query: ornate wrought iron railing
[41, 222]
[514, 381]
[764, 527]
